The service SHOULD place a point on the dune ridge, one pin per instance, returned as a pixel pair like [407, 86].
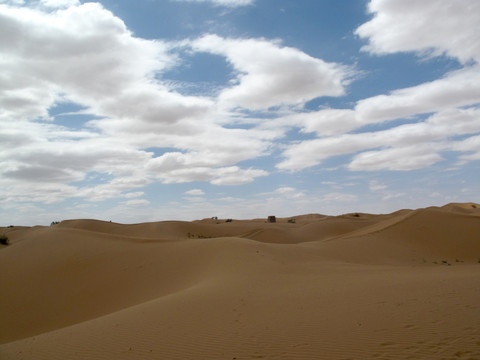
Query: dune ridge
[354, 286]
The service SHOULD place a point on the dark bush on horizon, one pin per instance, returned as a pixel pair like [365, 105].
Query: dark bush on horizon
[4, 239]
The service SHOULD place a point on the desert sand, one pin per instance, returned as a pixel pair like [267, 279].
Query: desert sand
[404, 285]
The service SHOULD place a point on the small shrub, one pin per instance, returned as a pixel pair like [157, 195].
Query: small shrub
[474, 206]
[291, 221]
[4, 239]
[54, 223]
[204, 237]
[228, 220]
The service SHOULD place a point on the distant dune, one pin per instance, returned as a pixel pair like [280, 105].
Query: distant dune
[404, 285]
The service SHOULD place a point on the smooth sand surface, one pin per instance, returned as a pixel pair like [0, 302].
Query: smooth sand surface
[400, 286]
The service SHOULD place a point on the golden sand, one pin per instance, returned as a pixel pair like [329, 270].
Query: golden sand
[400, 286]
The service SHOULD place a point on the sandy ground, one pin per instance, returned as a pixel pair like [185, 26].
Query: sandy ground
[400, 286]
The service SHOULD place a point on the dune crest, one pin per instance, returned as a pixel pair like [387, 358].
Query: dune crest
[354, 286]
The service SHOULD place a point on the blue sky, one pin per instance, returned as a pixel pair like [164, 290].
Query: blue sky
[148, 110]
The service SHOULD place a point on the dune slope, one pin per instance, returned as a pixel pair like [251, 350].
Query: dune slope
[357, 286]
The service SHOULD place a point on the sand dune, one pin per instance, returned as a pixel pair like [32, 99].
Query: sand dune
[358, 286]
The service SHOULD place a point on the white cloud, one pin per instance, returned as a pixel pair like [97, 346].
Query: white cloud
[311, 152]
[393, 196]
[195, 192]
[137, 202]
[270, 75]
[55, 52]
[113, 188]
[234, 175]
[230, 199]
[85, 55]
[82, 53]
[403, 158]
[194, 199]
[49, 193]
[375, 185]
[471, 146]
[290, 192]
[132, 195]
[59, 3]
[456, 89]
[286, 190]
[201, 166]
[339, 197]
[324, 122]
[405, 147]
[429, 27]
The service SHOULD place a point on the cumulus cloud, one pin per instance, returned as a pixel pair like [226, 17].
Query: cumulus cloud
[137, 202]
[234, 175]
[404, 147]
[175, 167]
[195, 192]
[375, 185]
[59, 3]
[290, 192]
[272, 75]
[143, 130]
[90, 63]
[324, 122]
[404, 158]
[83, 54]
[339, 197]
[428, 28]
[64, 53]
[456, 89]
[471, 147]
[132, 195]
[59, 52]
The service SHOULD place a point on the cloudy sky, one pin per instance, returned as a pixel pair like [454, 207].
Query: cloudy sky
[147, 110]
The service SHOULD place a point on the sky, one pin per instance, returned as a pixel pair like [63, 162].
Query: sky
[150, 110]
